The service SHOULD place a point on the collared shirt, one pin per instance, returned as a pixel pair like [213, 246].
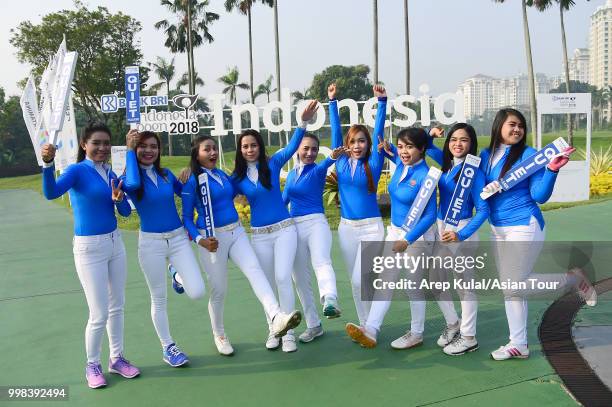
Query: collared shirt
[150, 172]
[101, 168]
[253, 173]
[214, 176]
[499, 153]
[408, 169]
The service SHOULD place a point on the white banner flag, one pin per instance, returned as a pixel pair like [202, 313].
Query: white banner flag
[29, 108]
[67, 140]
[65, 74]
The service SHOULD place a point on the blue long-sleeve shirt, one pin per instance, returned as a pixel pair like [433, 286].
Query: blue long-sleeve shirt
[447, 185]
[90, 197]
[405, 192]
[222, 199]
[356, 202]
[267, 206]
[157, 209]
[306, 193]
[516, 206]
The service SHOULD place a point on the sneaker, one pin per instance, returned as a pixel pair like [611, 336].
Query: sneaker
[289, 344]
[273, 342]
[407, 341]
[510, 351]
[173, 356]
[461, 345]
[311, 333]
[330, 308]
[360, 335]
[178, 287]
[585, 289]
[223, 345]
[283, 322]
[449, 333]
[122, 367]
[94, 376]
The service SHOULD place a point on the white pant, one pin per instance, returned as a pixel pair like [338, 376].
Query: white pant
[154, 252]
[234, 245]
[276, 254]
[469, 301]
[351, 235]
[417, 296]
[516, 262]
[102, 269]
[314, 248]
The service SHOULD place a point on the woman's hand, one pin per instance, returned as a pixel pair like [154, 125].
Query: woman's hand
[384, 145]
[184, 175]
[132, 138]
[379, 91]
[209, 243]
[118, 193]
[48, 152]
[331, 91]
[310, 111]
[436, 132]
[449, 236]
[558, 162]
[336, 153]
[492, 187]
[400, 246]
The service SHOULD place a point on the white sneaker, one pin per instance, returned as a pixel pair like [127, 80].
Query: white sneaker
[510, 351]
[585, 289]
[449, 333]
[223, 345]
[407, 341]
[283, 322]
[461, 345]
[272, 343]
[289, 344]
[311, 333]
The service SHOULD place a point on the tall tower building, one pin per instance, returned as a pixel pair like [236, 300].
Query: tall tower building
[599, 46]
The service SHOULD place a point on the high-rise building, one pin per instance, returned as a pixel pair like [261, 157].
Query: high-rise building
[599, 46]
[578, 66]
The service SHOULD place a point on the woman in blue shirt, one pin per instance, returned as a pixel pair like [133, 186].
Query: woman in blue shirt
[99, 253]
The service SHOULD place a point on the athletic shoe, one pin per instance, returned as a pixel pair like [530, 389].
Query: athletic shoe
[585, 289]
[330, 308]
[461, 345]
[173, 356]
[311, 333]
[360, 335]
[283, 322]
[94, 376]
[289, 344]
[122, 367]
[178, 287]
[449, 333]
[510, 351]
[407, 341]
[224, 346]
[273, 342]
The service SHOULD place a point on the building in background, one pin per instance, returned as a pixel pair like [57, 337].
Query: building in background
[578, 66]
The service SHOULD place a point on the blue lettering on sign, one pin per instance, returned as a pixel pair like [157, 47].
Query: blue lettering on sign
[112, 103]
[108, 103]
[132, 94]
[462, 190]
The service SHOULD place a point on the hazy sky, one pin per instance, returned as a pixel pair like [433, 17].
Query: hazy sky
[450, 39]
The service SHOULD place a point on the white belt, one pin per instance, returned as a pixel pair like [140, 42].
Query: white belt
[227, 228]
[272, 228]
[96, 238]
[304, 218]
[164, 235]
[361, 222]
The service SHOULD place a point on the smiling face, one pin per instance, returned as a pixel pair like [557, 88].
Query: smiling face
[513, 130]
[98, 146]
[147, 151]
[459, 143]
[208, 154]
[249, 149]
[408, 152]
[358, 145]
[308, 151]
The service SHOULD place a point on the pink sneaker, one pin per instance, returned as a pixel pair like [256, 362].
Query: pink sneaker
[94, 376]
[122, 367]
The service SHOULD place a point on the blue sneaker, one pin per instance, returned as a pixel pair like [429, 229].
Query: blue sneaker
[178, 287]
[174, 357]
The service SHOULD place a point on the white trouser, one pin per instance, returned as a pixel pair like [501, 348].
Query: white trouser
[351, 234]
[314, 248]
[515, 263]
[234, 244]
[102, 269]
[469, 301]
[276, 254]
[155, 250]
[417, 296]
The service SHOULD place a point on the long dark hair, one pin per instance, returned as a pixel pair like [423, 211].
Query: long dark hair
[145, 135]
[447, 156]
[496, 139]
[86, 133]
[194, 164]
[353, 131]
[240, 169]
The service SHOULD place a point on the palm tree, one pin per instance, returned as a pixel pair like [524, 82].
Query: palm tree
[231, 82]
[184, 80]
[375, 25]
[407, 46]
[277, 49]
[184, 36]
[531, 76]
[165, 71]
[265, 88]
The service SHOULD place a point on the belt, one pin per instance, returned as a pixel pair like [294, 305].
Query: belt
[304, 218]
[361, 222]
[96, 238]
[228, 228]
[272, 228]
[164, 235]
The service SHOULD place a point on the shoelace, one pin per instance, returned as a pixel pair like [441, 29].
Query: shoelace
[457, 340]
[121, 362]
[407, 335]
[174, 350]
[95, 369]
